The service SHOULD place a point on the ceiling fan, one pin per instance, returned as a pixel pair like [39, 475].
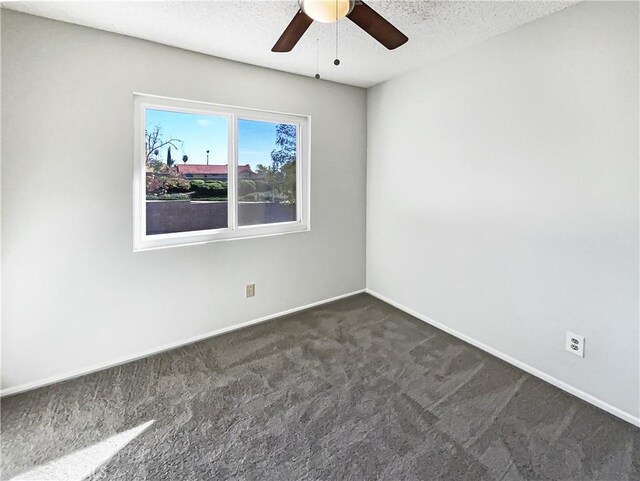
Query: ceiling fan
[329, 11]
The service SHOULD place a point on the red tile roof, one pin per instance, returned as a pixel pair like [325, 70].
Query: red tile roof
[213, 169]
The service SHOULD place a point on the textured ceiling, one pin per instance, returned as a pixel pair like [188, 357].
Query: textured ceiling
[246, 30]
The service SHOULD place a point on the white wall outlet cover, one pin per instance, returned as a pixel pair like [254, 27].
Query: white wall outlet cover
[575, 344]
[250, 290]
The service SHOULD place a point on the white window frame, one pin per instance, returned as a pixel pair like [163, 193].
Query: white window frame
[142, 241]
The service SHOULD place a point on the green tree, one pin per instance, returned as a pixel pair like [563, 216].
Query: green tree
[169, 159]
[285, 150]
[289, 181]
[283, 154]
[269, 175]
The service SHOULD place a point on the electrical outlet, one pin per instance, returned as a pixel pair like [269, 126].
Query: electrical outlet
[575, 344]
[250, 290]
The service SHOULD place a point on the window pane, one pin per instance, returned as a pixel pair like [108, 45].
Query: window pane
[266, 172]
[186, 171]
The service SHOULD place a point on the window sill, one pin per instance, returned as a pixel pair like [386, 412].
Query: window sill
[181, 239]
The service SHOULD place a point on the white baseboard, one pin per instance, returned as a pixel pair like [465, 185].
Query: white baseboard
[150, 352]
[519, 364]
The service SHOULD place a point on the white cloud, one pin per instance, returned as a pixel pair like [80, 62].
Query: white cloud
[203, 122]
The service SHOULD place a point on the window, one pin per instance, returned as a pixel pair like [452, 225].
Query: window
[206, 172]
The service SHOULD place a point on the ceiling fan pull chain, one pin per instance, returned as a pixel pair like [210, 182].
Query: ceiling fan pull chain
[337, 60]
[317, 57]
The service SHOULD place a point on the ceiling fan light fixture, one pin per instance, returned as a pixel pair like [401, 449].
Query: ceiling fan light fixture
[327, 11]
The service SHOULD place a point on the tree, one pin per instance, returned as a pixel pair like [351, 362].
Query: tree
[169, 159]
[285, 150]
[262, 170]
[162, 178]
[267, 173]
[289, 181]
[154, 142]
[283, 154]
[185, 158]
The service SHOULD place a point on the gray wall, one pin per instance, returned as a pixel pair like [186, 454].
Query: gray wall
[503, 195]
[75, 294]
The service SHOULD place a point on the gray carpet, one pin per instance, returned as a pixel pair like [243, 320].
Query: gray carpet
[350, 390]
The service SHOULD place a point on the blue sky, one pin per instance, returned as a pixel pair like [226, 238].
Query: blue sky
[256, 140]
[200, 133]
